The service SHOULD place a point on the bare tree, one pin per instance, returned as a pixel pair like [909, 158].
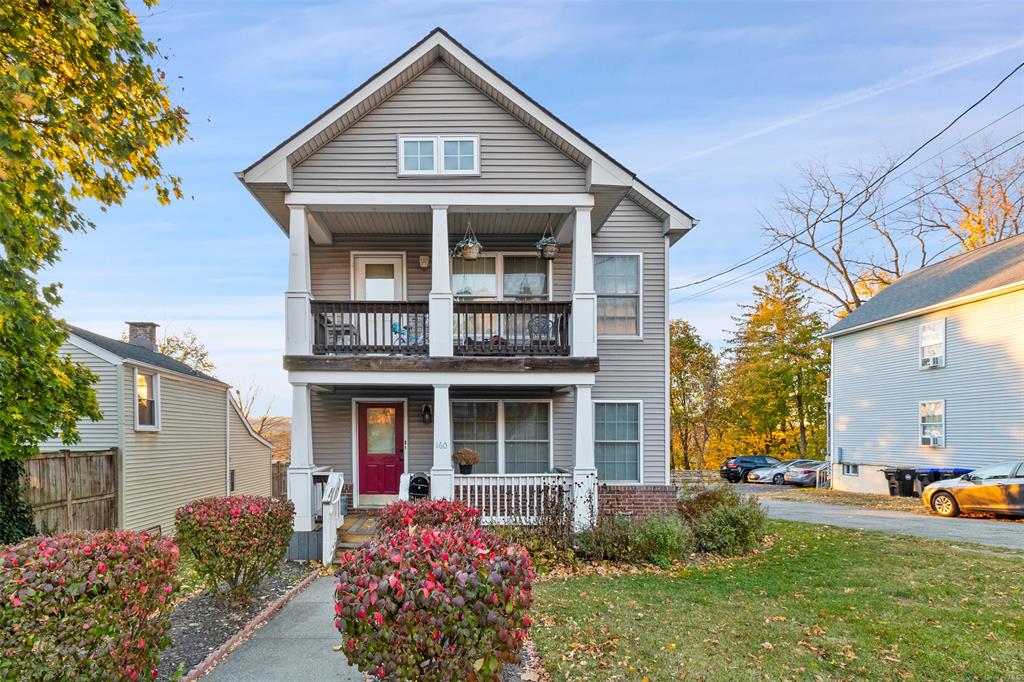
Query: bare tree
[982, 207]
[261, 423]
[840, 222]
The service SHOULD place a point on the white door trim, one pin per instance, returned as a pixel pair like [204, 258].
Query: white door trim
[355, 439]
[396, 258]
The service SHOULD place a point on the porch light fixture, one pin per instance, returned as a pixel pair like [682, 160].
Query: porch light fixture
[428, 413]
[424, 262]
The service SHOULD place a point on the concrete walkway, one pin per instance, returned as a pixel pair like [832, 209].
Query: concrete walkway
[977, 531]
[294, 646]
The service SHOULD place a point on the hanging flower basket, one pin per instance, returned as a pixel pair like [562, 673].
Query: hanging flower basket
[547, 248]
[469, 247]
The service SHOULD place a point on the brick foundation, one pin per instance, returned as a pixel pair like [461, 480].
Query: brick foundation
[636, 500]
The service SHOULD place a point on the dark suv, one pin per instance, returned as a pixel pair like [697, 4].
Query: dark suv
[736, 469]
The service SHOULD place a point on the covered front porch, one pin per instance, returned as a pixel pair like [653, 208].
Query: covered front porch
[535, 444]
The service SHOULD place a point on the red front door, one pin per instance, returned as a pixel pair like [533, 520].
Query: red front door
[381, 443]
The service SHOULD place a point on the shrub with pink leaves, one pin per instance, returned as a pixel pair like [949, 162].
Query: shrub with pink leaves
[86, 606]
[235, 541]
[428, 603]
[433, 513]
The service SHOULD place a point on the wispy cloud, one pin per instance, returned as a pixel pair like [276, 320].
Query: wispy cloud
[846, 99]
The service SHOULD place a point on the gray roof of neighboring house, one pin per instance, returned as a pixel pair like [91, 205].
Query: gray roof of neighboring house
[130, 351]
[991, 267]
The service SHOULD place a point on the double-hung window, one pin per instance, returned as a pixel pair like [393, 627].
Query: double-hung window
[617, 429]
[439, 155]
[933, 423]
[932, 336]
[501, 277]
[617, 282]
[511, 436]
[147, 401]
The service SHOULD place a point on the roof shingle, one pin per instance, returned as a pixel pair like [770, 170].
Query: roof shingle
[130, 351]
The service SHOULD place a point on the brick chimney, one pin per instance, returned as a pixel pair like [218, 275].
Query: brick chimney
[143, 334]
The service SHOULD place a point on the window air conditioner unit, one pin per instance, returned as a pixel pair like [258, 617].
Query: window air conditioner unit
[934, 361]
[931, 440]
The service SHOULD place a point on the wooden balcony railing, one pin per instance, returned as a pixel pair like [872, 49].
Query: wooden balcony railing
[511, 328]
[370, 327]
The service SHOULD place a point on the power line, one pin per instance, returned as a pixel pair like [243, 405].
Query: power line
[864, 222]
[871, 185]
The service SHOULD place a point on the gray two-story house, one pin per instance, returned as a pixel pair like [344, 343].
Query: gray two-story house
[403, 348]
[930, 372]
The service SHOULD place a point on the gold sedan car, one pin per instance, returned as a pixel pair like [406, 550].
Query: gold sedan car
[998, 489]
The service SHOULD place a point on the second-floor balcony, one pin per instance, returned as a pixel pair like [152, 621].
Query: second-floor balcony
[479, 328]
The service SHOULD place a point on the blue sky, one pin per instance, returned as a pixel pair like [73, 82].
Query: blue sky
[714, 104]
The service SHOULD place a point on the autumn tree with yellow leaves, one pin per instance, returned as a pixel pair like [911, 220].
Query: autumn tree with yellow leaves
[84, 113]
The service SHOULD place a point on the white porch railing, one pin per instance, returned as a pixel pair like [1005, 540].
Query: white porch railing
[515, 498]
[332, 516]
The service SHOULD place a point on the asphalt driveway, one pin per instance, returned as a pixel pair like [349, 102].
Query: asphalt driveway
[977, 531]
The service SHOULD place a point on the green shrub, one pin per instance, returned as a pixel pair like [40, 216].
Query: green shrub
[85, 606]
[15, 514]
[432, 513]
[658, 540]
[235, 541]
[730, 530]
[699, 503]
[424, 603]
[663, 539]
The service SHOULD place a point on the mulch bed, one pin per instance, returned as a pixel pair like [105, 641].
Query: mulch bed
[200, 624]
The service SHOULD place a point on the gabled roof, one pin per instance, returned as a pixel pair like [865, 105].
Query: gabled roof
[132, 352]
[975, 274]
[273, 170]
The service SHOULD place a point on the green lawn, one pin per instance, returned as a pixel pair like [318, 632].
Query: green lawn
[822, 603]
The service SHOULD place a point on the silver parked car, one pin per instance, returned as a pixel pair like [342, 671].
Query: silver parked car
[775, 474]
[998, 489]
[805, 474]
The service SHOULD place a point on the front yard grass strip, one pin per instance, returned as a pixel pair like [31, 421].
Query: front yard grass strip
[822, 603]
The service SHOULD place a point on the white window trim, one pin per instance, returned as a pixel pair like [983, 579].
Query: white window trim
[920, 435]
[499, 273]
[639, 336]
[501, 429]
[851, 469]
[640, 443]
[438, 141]
[920, 343]
[157, 401]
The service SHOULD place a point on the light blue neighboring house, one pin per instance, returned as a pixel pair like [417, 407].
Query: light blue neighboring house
[930, 372]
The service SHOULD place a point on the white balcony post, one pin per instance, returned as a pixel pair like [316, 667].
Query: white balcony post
[442, 476]
[300, 468]
[441, 302]
[584, 300]
[584, 470]
[298, 317]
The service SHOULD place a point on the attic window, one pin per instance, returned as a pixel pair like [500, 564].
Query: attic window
[439, 155]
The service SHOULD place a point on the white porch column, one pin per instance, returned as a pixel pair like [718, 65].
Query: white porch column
[584, 300]
[298, 317]
[584, 471]
[441, 301]
[300, 468]
[442, 476]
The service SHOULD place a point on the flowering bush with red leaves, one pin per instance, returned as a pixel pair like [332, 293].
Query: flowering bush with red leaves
[235, 541]
[434, 604]
[86, 606]
[434, 513]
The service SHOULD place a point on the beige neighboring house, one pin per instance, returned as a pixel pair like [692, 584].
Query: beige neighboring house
[180, 434]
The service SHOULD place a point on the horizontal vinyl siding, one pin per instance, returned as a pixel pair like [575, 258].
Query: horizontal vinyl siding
[183, 461]
[513, 158]
[877, 386]
[635, 369]
[250, 459]
[332, 422]
[94, 435]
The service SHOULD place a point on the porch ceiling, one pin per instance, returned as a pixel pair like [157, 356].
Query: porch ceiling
[406, 222]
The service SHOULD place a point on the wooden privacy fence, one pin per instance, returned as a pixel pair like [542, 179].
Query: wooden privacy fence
[279, 480]
[73, 490]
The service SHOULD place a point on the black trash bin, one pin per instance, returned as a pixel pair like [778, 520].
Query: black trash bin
[419, 486]
[901, 482]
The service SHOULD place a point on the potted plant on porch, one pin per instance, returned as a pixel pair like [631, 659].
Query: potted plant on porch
[466, 458]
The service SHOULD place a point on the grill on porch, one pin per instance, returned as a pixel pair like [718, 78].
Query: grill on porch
[481, 328]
